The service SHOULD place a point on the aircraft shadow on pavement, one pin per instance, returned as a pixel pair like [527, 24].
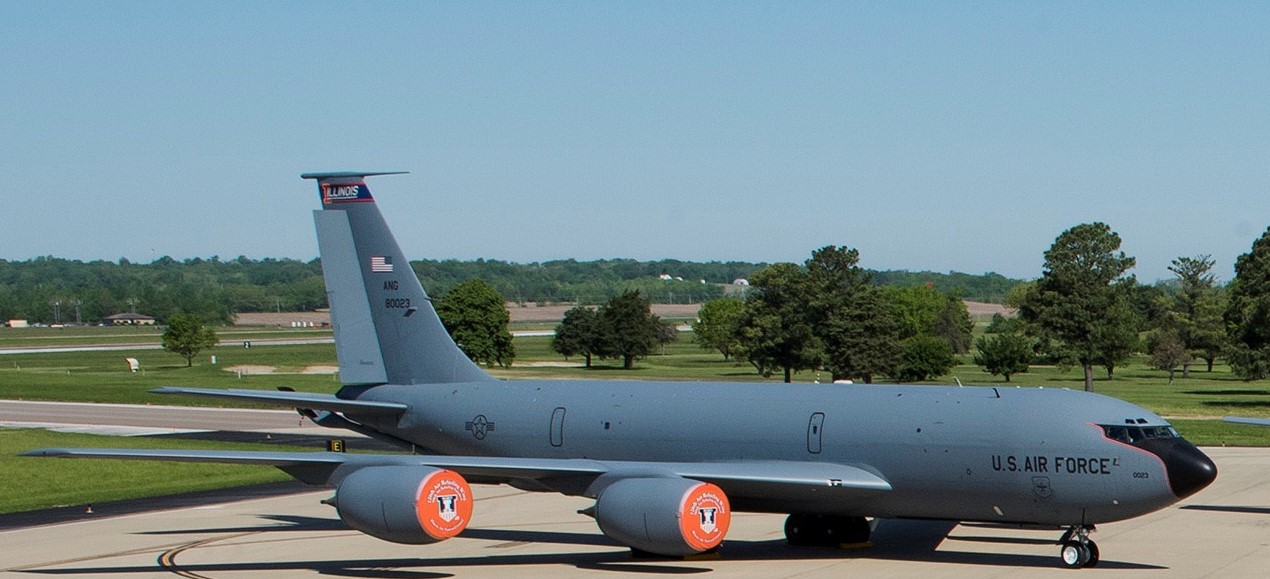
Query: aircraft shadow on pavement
[1228, 509]
[893, 540]
[285, 523]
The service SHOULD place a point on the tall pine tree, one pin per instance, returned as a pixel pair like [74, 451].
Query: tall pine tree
[1080, 300]
[1248, 312]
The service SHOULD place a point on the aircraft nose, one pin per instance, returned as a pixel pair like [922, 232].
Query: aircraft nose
[1190, 470]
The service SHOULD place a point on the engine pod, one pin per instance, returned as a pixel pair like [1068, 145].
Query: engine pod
[405, 504]
[666, 516]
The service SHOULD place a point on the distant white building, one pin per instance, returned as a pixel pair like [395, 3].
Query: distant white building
[128, 319]
[740, 281]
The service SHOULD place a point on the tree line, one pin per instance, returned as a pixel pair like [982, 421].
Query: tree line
[623, 328]
[54, 290]
[1085, 310]
[828, 314]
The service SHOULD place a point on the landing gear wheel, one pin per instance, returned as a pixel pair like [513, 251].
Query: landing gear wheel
[1077, 550]
[1074, 554]
[825, 531]
[1093, 554]
[803, 530]
[849, 530]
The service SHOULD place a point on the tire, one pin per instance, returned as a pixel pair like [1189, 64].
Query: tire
[851, 530]
[799, 530]
[1093, 554]
[1074, 555]
[825, 531]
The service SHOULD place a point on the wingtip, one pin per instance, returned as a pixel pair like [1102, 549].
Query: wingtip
[44, 452]
[1247, 420]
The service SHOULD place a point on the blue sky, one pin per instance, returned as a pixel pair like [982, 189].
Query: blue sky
[929, 135]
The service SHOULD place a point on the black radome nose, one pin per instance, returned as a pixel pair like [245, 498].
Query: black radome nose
[1190, 470]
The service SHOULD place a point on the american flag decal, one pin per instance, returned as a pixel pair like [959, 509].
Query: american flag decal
[380, 264]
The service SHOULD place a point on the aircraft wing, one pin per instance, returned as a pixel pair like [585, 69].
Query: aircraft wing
[1242, 420]
[292, 400]
[746, 478]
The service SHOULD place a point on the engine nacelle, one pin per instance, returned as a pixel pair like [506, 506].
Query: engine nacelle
[405, 504]
[666, 516]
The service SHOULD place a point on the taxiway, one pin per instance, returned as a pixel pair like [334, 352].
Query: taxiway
[1223, 531]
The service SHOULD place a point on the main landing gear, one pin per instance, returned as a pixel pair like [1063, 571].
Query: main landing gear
[825, 530]
[1077, 549]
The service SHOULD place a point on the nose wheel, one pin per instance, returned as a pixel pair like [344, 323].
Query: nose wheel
[1077, 550]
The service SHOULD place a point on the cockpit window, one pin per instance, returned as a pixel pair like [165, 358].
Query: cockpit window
[1117, 433]
[1135, 434]
[1158, 432]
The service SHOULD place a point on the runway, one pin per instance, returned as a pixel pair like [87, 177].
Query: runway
[153, 346]
[136, 419]
[1223, 531]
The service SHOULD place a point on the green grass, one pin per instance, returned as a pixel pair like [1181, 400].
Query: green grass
[19, 337]
[36, 483]
[95, 335]
[1218, 433]
[104, 376]
[1203, 395]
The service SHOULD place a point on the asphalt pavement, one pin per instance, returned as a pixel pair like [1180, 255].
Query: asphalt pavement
[1224, 531]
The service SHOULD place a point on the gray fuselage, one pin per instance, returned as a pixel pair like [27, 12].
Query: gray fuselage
[981, 454]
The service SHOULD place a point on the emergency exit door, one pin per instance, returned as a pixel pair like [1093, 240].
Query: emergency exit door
[815, 430]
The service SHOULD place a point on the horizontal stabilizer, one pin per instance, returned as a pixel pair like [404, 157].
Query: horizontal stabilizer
[293, 400]
[218, 456]
[349, 174]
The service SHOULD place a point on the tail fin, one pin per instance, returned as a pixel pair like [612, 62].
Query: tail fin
[386, 330]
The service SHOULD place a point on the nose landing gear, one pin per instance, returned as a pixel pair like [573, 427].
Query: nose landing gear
[1077, 550]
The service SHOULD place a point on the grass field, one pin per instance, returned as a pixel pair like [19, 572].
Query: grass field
[94, 335]
[104, 376]
[1194, 405]
[38, 483]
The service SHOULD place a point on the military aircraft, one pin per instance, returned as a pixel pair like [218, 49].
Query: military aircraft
[667, 463]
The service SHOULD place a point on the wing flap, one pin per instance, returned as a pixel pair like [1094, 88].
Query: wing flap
[813, 474]
[753, 478]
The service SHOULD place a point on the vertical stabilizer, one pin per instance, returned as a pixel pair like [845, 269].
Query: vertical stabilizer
[386, 330]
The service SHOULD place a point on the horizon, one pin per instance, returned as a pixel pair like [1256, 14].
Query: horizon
[221, 259]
